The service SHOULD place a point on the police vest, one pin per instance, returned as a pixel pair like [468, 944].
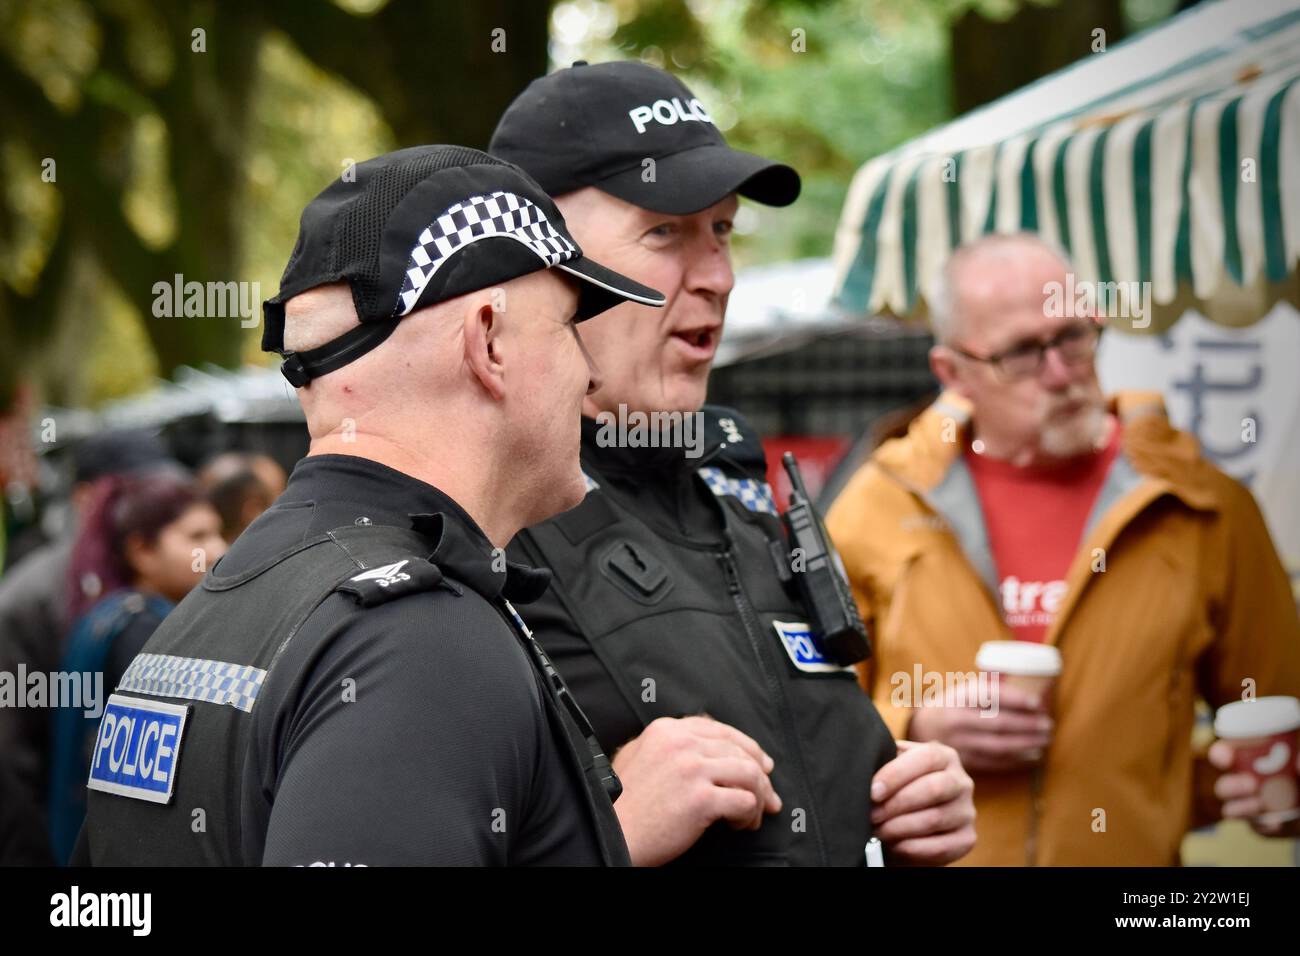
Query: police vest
[689, 627]
[176, 691]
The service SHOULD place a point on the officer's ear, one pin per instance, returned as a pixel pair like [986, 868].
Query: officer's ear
[483, 344]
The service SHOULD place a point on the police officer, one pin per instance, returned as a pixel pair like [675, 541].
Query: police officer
[672, 612]
[350, 684]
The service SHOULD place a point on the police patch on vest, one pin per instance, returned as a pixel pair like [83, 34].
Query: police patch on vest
[138, 748]
[796, 638]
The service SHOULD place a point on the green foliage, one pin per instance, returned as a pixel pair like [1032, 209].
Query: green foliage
[871, 75]
[172, 161]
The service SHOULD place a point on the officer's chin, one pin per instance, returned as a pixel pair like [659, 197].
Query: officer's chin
[557, 497]
[577, 489]
[687, 393]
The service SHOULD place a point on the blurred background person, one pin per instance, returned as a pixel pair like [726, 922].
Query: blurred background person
[35, 602]
[145, 542]
[241, 485]
[1023, 504]
[18, 473]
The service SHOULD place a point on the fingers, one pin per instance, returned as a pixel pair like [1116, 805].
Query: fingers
[1243, 808]
[1009, 722]
[1231, 786]
[935, 789]
[911, 762]
[682, 774]
[991, 753]
[721, 754]
[984, 752]
[730, 775]
[1289, 828]
[996, 746]
[740, 808]
[935, 850]
[929, 821]
[717, 730]
[1015, 698]
[1220, 754]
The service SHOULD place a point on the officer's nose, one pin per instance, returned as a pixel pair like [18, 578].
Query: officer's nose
[594, 378]
[709, 271]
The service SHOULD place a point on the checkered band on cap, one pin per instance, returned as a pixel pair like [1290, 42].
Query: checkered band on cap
[500, 214]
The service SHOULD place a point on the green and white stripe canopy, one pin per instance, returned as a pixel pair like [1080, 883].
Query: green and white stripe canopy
[1172, 159]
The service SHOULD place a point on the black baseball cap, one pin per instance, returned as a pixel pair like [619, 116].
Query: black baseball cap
[422, 225]
[596, 125]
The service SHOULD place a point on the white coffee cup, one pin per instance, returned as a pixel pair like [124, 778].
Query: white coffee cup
[1265, 735]
[1025, 665]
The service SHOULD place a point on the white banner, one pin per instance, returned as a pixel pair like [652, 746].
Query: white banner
[1238, 392]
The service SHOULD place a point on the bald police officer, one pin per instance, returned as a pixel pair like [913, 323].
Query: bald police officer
[351, 685]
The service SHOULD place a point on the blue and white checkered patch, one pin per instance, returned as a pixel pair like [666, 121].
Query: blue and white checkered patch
[162, 675]
[753, 494]
[479, 217]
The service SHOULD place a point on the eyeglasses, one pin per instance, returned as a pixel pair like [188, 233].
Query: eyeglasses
[1075, 344]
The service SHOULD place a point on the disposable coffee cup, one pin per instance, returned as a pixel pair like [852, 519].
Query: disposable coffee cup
[1265, 737]
[1025, 665]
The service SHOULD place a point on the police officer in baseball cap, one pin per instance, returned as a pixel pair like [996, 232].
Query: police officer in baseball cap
[672, 612]
[351, 683]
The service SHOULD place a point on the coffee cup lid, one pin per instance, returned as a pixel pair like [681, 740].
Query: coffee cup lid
[1024, 658]
[1257, 718]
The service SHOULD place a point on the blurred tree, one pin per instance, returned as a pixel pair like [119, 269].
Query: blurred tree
[134, 147]
[125, 139]
[821, 84]
[1000, 47]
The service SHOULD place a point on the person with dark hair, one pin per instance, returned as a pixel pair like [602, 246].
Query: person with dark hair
[144, 544]
[34, 604]
[241, 485]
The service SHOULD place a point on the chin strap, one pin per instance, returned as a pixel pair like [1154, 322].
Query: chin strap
[301, 367]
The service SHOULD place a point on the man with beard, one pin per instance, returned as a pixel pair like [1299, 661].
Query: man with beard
[1024, 505]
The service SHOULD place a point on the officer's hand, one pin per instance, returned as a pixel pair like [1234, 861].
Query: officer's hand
[924, 812]
[1240, 795]
[679, 776]
[1013, 738]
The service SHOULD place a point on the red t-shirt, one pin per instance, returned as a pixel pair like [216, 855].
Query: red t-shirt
[1035, 518]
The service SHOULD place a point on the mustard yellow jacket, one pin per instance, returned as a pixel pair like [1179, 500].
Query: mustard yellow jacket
[1192, 601]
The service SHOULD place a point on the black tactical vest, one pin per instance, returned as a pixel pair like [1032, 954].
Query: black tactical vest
[249, 633]
[688, 626]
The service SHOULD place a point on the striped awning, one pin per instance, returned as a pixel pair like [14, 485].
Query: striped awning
[1173, 161]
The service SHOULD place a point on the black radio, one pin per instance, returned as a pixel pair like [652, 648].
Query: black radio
[837, 627]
